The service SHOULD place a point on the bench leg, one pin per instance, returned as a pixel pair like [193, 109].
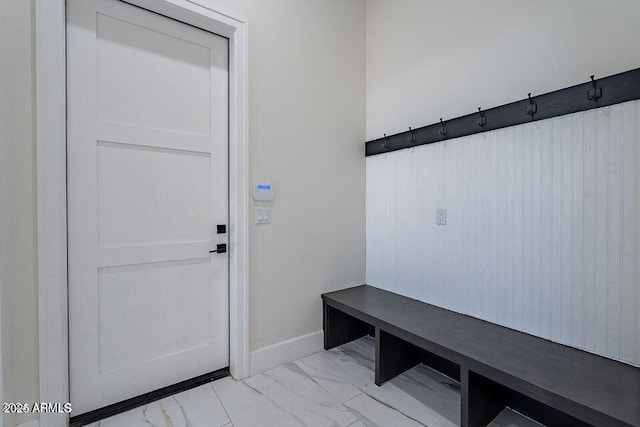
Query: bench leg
[340, 328]
[394, 356]
[482, 399]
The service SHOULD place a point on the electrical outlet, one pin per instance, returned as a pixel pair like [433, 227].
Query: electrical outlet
[441, 217]
[263, 215]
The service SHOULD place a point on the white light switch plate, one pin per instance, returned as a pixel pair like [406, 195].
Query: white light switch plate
[441, 217]
[263, 215]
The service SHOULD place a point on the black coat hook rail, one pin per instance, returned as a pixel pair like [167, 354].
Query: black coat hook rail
[598, 93]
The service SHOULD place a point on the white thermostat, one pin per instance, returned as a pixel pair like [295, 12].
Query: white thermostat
[263, 193]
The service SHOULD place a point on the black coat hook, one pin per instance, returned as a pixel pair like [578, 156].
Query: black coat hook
[532, 108]
[595, 92]
[412, 137]
[386, 144]
[443, 131]
[483, 120]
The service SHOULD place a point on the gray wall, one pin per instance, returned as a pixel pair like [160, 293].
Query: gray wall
[18, 264]
[307, 120]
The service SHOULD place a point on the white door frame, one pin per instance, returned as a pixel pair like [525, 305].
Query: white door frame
[51, 127]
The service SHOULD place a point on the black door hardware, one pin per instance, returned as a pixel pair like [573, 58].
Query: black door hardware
[222, 248]
[222, 228]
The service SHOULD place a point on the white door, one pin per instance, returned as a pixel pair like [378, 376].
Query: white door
[147, 166]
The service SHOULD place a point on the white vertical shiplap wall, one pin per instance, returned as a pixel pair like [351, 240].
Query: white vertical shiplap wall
[542, 234]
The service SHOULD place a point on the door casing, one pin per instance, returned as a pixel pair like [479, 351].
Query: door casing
[50, 27]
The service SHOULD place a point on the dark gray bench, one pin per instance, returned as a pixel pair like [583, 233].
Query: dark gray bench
[496, 366]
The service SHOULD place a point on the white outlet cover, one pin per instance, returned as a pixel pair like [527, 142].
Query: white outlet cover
[441, 217]
[263, 215]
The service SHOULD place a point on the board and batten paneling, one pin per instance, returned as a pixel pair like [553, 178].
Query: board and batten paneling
[542, 233]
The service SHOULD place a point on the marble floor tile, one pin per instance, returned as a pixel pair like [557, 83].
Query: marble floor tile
[134, 418]
[442, 393]
[424, 391]
[510, 418]
[336, 370]
[322, 368]
[435, 380]
[362, 350]
[295, 392]
[198, 407]
[201, 407]
[247, 407]
[376, 414]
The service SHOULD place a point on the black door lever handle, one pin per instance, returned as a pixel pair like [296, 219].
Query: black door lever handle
[220, 249]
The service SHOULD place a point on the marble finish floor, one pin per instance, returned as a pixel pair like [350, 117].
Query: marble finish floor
[330, 388]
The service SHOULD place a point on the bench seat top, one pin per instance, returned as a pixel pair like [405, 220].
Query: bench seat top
[579, 383]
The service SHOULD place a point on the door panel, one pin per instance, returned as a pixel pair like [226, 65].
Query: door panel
[128, 53]
[153, 201]
[147, 132]
[123, 290]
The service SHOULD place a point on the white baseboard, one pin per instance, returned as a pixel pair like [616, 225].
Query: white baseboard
[284, 352]
[32, 423]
